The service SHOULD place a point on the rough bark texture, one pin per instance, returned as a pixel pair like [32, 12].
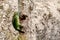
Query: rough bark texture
[42, 23]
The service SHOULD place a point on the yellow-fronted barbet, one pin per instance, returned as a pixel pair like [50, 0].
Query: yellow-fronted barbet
[16, 22]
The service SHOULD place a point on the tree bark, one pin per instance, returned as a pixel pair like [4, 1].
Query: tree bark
[42, 23]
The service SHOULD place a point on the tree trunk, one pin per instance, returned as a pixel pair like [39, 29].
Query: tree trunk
[42, 23]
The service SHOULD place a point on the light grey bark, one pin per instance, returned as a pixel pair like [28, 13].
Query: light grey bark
[42, 23]
[43, 19]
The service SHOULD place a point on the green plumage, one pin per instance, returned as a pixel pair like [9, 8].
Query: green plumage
[16, 23]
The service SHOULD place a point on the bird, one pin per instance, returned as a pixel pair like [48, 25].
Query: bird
[16, 22]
